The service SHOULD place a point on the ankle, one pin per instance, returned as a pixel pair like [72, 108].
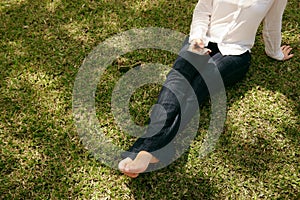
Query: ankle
[146, 154]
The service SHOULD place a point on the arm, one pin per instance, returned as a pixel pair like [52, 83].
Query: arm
[201, 20]
[272, 32]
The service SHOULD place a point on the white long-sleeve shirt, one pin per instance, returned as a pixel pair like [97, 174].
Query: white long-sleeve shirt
[233, 24]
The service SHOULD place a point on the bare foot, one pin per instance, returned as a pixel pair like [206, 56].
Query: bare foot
[133, 168]
[122, 166]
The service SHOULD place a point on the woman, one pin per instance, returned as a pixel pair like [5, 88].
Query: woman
[227, 28]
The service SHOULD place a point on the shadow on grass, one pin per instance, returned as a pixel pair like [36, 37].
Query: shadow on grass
[173, 182]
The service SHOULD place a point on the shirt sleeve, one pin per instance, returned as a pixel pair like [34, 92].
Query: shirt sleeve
[272, 29]
[201, 20]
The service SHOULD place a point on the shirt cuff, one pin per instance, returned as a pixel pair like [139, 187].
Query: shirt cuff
[277, 56]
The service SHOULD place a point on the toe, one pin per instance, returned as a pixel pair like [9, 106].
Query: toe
[123, 163]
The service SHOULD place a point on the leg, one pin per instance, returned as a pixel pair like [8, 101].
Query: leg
[168, 111]
[177, 80]
[232, 69]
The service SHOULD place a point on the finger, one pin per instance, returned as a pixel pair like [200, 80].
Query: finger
[282, 47]
[208, 52]
[287, 51]
[194, 44]
[195, 47]
[286, 57]
[200, 44]
[287, 48]
[290, 56]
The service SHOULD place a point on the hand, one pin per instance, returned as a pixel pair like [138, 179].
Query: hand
[197, 45]
[286, 50]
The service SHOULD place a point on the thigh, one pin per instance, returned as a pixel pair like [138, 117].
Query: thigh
[185, 68]
[232, 68]
[183, 65]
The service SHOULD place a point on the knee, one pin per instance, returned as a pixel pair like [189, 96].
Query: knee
[181, 63]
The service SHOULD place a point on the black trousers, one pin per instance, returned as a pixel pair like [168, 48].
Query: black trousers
[182, 78]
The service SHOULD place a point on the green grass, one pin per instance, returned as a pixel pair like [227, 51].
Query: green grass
[43, 44]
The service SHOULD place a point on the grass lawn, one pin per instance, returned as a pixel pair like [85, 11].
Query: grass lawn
[43, 44]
